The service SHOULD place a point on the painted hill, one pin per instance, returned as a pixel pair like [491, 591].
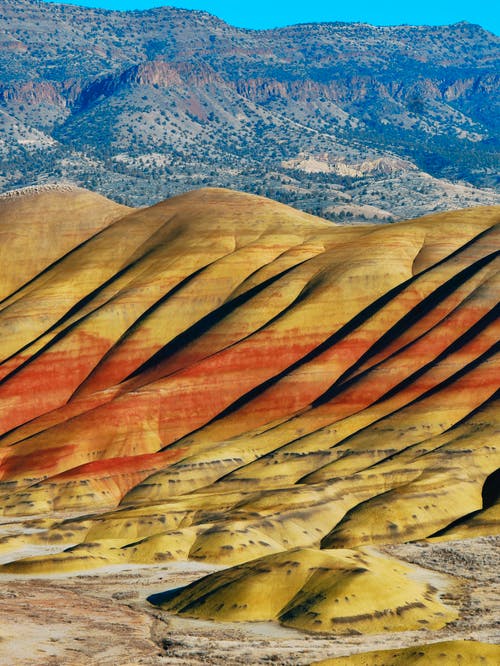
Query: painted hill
[449, 652]
[222, 378]
[316, 590]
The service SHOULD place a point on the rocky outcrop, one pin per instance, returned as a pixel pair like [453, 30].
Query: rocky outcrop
[478, 85]
[345, 90]
[157, 73]
[33, 92]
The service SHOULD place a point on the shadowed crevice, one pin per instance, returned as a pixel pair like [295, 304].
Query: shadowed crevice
[490, 495]
[418, 312]
[207, 322]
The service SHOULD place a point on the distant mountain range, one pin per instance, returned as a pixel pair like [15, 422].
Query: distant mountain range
[349, 121]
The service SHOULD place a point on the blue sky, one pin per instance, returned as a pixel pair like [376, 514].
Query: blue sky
[272, 13]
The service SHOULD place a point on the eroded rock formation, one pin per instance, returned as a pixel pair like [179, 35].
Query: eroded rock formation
[223, 378]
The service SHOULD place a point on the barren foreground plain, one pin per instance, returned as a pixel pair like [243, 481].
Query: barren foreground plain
[235, 431]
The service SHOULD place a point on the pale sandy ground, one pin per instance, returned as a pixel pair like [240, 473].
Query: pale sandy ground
[101, 618]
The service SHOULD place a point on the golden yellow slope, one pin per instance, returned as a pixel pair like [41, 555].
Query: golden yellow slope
[341, 591]
[446, 653]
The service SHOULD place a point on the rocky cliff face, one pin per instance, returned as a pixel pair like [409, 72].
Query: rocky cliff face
[123, 94]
